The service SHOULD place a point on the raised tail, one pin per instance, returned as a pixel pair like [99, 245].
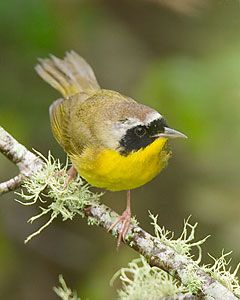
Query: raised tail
[69, 76]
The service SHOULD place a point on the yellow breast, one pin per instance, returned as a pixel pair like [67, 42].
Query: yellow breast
[110, 170]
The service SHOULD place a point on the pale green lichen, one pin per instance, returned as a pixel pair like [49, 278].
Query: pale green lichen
[140, 281]
[134, 221]
[192, 281]
[221, 271]
[51, 182]
[92, 221]
[184, 243]
[64, 292]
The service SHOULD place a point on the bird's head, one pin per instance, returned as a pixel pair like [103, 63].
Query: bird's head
[139, 134]
[135, 126]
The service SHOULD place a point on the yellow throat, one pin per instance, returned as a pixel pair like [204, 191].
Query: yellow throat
[110, 170]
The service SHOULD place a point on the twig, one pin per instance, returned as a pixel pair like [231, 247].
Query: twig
[11, 184]
[26, 161]
[156, 252]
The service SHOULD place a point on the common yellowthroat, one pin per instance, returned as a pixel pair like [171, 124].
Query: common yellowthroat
[113, 142]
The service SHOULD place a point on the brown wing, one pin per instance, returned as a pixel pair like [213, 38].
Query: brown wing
[60, 123]
[84, 119]
[69, 123]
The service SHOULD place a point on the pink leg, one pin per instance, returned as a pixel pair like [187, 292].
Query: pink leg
[125, 219]
[72, 173]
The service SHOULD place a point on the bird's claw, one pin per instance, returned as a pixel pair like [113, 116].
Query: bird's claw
[125, 219]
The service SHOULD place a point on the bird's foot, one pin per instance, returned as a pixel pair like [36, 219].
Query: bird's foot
[125, 219]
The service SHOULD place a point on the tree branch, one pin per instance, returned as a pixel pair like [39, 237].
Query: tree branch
[162, 256]
[156, 252]
[26, 161]
[11, 184]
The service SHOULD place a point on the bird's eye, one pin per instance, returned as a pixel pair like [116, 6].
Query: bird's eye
[140, 131]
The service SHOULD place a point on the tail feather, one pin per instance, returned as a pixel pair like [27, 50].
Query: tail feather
[69, 76]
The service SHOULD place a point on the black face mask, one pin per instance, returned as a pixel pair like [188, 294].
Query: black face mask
[141, 136]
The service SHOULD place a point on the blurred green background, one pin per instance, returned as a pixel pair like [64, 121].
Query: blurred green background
[182, 58]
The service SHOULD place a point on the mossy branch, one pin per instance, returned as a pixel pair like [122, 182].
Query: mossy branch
[46, 177]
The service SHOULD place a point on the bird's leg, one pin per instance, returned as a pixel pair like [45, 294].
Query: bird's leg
[72, 173]
[125, 219]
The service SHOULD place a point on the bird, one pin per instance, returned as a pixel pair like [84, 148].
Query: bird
[114, 142]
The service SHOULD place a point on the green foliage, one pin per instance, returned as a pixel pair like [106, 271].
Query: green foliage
[51, 182]
[64, 292]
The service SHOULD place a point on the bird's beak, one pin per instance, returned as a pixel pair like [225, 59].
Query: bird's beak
[172, 133]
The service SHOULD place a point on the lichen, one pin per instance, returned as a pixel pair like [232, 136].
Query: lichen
[51, 182]
[184, 243]
[92, 221]
[192, 281]
[140, 281]
[64, 292]
[221, 271]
